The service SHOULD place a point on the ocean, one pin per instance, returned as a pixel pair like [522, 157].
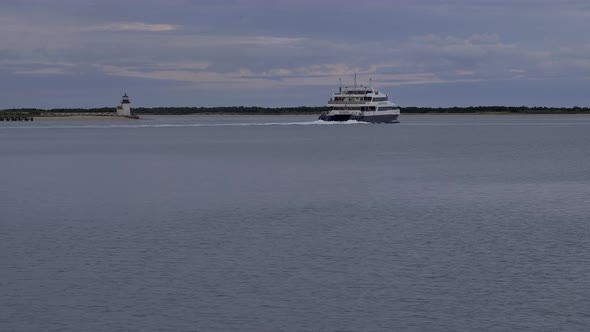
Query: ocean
[285, 223]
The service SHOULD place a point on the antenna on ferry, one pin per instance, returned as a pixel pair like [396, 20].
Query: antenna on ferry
[370, 82]
[340, 84]
[355, 80]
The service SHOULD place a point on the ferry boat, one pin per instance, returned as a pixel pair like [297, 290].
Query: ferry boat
[361, 103]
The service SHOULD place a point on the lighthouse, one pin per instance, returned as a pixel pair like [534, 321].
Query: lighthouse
[125, 108]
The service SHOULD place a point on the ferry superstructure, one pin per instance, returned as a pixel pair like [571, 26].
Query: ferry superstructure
[361, 103]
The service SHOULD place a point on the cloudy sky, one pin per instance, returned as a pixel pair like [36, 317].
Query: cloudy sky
[86, 53]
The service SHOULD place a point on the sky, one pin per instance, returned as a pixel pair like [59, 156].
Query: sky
[87, 53]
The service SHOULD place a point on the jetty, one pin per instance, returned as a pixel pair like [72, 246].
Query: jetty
[6, 116]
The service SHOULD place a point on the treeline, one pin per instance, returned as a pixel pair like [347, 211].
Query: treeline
[229, 110]
[179, 110]
[498, 109]
[306, 110]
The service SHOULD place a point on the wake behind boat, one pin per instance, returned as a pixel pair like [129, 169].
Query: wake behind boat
[361, 103]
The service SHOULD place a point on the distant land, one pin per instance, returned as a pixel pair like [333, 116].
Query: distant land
[237, 110]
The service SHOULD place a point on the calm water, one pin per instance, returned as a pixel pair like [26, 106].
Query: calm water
[440, 223]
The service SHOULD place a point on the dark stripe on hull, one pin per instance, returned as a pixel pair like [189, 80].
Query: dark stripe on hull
[387, 118]
[339, 117]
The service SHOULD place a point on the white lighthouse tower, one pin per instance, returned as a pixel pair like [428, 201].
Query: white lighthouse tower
[125, 108]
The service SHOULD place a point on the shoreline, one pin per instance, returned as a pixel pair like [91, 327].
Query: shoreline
[495, 113]
[402, 113]
[146, 116]
[81, 117]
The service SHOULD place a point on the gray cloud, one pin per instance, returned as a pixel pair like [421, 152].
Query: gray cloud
[236, 46]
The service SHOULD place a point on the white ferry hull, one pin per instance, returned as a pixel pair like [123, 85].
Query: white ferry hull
[387, 118]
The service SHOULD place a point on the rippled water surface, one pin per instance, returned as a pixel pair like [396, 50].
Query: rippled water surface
[262, 223]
